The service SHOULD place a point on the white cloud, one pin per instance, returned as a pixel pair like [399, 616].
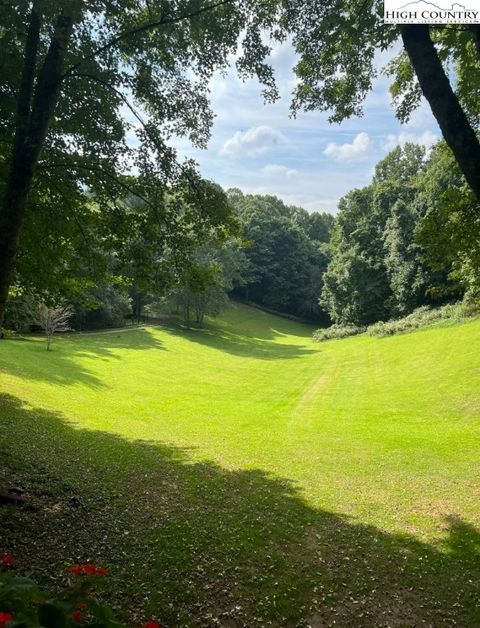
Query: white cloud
[254, 141]
[346, 152]
[427, 138]
[275, 170]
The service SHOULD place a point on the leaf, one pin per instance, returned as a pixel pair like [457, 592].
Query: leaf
[51, 616]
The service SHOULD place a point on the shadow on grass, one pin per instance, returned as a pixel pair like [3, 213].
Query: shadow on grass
[29, 358]
[198, 545]
[259, 346]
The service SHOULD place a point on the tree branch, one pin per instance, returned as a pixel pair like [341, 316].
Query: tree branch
[117, 92]
[109, 176]
[143, 28]
[69, 206]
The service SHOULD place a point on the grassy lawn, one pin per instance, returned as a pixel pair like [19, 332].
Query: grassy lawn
[240, 475]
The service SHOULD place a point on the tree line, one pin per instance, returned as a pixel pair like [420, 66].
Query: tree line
[406, 240]
[75, 74]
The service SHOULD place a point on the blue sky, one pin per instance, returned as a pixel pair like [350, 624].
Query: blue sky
[305, 161]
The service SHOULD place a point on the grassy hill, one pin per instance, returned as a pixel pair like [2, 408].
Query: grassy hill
[242, 475]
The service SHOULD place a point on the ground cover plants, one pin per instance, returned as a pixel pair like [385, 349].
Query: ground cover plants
[421, 317]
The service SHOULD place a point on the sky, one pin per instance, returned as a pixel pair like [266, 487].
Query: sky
[306, 161]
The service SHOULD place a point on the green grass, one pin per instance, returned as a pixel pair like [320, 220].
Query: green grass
[242, 475]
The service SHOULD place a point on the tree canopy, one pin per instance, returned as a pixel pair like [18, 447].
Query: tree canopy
[337, 42]
[93, 91]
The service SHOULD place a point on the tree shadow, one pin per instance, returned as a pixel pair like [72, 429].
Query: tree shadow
[59, 366]
[195, 544]
[262, 346]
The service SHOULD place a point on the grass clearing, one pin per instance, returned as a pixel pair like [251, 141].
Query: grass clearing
[243, 475]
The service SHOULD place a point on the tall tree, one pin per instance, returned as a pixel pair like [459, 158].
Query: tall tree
[448, 231]
[79, 78]
[356, 289]
[337, 42]
[377, 268]
[285, 264]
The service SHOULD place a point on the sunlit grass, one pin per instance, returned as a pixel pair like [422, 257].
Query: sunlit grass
[267, 446]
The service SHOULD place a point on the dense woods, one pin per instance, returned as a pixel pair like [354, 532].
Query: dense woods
[406, 240]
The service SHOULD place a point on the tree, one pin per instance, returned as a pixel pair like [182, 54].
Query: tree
[204, 287]
[337, 42]
[406, 272]
[356, 288]
[284, 263]
[101, 307]
[448, 231]
[77, 77]
[51, 319]
[377, 268]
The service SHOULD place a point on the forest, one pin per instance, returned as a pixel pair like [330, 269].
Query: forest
[239, 315]
[405, 241]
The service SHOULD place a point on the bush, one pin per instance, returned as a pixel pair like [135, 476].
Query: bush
[418, 318]
[425, 316]
[24, 605]
[337, 331]
[17, 316]
[105, 307]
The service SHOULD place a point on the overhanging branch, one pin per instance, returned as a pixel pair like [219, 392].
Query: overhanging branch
[142, 29]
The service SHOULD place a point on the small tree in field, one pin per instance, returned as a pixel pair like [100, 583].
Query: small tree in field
[52, 320]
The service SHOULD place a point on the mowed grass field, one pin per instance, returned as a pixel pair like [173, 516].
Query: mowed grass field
[240, 475]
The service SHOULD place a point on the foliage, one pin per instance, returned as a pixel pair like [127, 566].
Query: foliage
[129, 68]
[201, 293]
[28, 606]
[286, 253]
[203, 289]
[421, 317]
[425, 316]
[377, 268]
[103, 306]
[18, 317]
[336, 332]
[337, 44]
[449, 231]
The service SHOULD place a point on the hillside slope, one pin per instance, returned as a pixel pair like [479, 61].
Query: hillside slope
[243, 465]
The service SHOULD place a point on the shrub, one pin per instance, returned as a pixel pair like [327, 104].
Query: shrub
[17, 317]
[104, 306]
[418, 318]
[337, 331]
[425, 316]
[24, 604]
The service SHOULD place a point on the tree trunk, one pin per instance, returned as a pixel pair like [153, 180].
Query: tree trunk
[436, 88]
[35, 109]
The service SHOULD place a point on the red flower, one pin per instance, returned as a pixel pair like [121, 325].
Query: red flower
[4, 618]
[151, 624]
[89, 570]
[7, 559]
[81, 606]
[77, 616]
[85, 569]
[78, 569]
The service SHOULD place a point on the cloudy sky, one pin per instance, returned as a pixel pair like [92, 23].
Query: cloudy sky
[305, 161]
